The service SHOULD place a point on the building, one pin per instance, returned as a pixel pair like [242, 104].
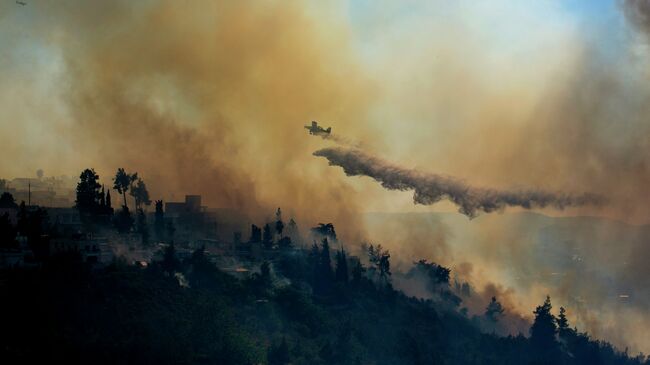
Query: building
[91, 249]
[65, 220]
[190, 220]
[46, 191]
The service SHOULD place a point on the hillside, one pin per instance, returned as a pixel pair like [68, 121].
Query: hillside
[302, 309]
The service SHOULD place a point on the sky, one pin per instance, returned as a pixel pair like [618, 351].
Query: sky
[210, 98]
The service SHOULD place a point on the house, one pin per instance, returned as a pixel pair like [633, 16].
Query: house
[91, 249]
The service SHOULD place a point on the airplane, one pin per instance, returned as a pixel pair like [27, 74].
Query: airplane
[21, 3]
[315, 129]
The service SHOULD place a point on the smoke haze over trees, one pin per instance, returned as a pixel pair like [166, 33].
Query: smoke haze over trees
[210, 99]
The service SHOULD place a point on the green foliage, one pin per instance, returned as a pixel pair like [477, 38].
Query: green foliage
[341, 273]
[380, 261]
[123, 220]
[120, 315]
[142, 227]
[326, 230]
[544, 330]
[563, 329]
[267, 237]
[125, 314]
[88, 194]
[140, 193]
[159, 220]
[7, 201]
[494, 310]
[122, 182]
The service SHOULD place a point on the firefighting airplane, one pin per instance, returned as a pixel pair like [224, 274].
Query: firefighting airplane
[315, 129]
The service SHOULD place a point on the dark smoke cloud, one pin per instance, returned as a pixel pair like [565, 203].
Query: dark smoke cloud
[638, 13]
[431, 188]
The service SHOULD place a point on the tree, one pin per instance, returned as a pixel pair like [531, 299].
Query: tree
[279, 224]
[325, 260]
[142, 227]
[494, 310]
[7, 232]
[357, 270]
[279, 354]
[341, 273]
[563, 329]
[159, 220]
[313, 259]
[88, 194]
[285, 243]
[7, 201]
[140, 194]
[326, 230]
[267, 237]
[102, 198]
[108, 200]
[380, 259]
[279, 227]
[265, 272]
[123, 181]
[170, 230]
[256, 234]
[292, 229]
[123, 220]
[22, 225]
[438, 274]
[321, 263]
[543, 330]
[170, 263]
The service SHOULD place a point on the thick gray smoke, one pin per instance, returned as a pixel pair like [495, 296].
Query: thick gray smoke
[431, 188]
[638, 13]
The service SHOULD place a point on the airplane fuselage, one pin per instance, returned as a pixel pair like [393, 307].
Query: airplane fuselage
[315, 129]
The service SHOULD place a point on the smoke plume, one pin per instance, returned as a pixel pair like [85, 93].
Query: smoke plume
[431, 188]
[203, 99]
[638, 13]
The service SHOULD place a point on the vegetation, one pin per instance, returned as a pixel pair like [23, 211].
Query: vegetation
[319, 305]
[191, 312]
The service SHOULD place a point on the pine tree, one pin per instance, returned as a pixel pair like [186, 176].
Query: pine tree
[102, 198]
[325, 260]
[279, 224]
[140, 194]
[357, 271]
[143, 229]
[256, 234]
[267, 237]
[108, 199]
[7, 201]
[563, 329]
[159, 220]
[543, 330]
[123, 181]
[88, 194]
[494, 310]
[341, 273]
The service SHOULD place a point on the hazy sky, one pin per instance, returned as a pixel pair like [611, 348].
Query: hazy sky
[474, 90]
